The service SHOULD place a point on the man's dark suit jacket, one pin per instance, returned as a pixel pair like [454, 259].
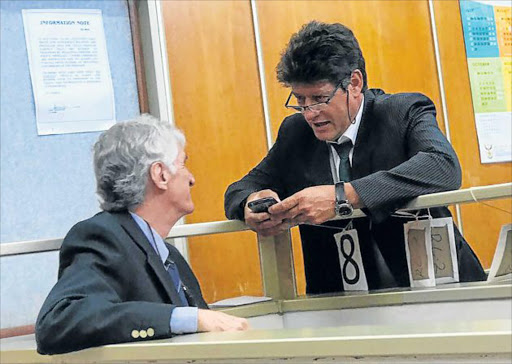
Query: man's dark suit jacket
[111, 282]
[399, 154]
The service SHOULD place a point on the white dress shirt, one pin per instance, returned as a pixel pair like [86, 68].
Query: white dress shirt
[350, 133]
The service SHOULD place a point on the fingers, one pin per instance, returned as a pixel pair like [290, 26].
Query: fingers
[281, 214]
[208, 321]
[281, 227]
[261, 194]
[300, 219]
[268, 224]
[312, 205]
[257, 217]
[261, 222]
[272, 223]
[285, 206]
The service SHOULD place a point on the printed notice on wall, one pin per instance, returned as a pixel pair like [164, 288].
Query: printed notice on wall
[487, 28]
[69, 70]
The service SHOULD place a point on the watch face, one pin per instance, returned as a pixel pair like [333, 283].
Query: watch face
[345, 210]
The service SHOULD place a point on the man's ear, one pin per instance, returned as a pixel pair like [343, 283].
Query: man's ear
[356, 83]
[159, 175]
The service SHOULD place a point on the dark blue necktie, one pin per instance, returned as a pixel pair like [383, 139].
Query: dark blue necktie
[343, 150]
[172, 269]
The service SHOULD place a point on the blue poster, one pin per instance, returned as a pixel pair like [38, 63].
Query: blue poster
[479, 29]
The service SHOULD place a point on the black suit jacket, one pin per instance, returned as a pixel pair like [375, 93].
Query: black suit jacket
[399, 154]
[111, 282]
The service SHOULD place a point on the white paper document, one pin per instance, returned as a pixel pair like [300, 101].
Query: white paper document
[494, 136]
[444, 252]
[501, 268]
[69, 70]
[418, 250]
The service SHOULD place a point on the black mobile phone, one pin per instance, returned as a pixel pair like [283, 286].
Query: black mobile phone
[262, 204]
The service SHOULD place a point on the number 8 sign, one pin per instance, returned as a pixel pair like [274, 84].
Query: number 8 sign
[351, 264]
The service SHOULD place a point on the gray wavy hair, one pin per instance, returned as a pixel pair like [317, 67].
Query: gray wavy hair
[123, 155]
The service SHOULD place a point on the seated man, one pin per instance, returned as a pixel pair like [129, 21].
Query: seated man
[118, 280]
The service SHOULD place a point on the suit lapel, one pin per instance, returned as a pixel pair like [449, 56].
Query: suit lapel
[154, 261]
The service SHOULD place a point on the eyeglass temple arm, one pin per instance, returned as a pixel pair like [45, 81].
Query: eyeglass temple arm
[288, 99]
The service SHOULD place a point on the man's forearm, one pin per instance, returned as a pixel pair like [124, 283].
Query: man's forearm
[353, 196]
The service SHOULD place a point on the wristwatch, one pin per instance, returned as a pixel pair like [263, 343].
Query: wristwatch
[342, 206]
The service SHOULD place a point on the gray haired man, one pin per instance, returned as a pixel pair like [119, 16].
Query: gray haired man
[118, 279]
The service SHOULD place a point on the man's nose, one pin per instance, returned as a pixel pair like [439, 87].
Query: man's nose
[192, 180]
[309, 114]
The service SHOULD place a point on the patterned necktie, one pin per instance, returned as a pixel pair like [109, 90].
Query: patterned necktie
[343, 150]
[172, 269]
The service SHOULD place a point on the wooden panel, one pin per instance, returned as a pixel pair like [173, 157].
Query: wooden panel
[395, 38]
[481, 221]
[217, 103]
[298, 257]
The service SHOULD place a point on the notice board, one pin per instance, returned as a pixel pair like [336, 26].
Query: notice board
[47, 182]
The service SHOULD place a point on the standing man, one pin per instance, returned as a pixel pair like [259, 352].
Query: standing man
[348, 147]
[118, 279]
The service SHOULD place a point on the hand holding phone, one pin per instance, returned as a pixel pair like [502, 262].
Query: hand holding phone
[262, 204]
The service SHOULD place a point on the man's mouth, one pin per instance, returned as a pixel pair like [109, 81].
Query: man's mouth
[320, 124]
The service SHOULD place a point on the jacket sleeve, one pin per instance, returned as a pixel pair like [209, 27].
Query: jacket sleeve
[266, 175]
[86, 307]
[431, 165]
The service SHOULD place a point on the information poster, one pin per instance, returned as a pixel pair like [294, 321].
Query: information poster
[69, 70]
[488, 37]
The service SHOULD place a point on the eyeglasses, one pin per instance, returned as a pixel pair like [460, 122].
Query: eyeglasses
[313, 107]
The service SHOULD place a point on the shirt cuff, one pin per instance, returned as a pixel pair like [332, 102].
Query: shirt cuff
[184, 320]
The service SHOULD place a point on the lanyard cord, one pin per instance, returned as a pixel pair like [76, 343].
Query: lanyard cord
[156, 245]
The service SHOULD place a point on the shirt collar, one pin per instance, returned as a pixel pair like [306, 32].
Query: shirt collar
[155, 240]
[351, 132]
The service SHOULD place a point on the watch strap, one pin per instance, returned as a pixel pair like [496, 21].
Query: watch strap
[340, 193]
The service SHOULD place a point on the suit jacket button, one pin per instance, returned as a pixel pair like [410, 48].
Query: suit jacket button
[135, 334]
[150, 332]
[143, 334]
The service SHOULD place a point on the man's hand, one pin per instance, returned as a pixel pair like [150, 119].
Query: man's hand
[312, 205]
[261, 222]
[208, 320]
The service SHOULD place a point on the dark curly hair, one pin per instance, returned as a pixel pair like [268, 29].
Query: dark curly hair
[321, 52]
